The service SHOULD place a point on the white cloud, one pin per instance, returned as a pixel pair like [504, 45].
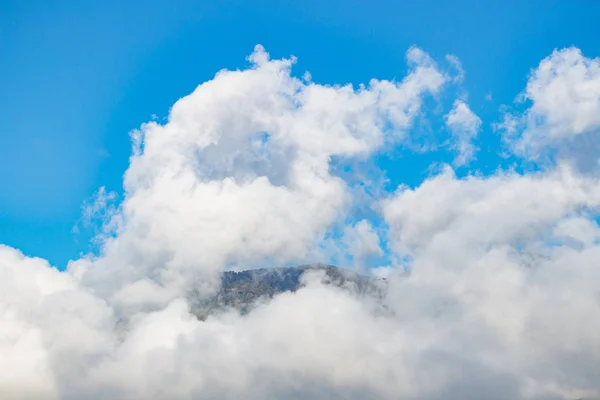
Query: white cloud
[507, 262]
[464, 126]
[51, 329]
[486, 211]
[564, 96]
[363, 243]
[457, 65]
[501, 300]
[240, 173]
[99, 210]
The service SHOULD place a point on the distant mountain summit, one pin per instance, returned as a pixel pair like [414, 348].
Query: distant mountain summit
[242, 290]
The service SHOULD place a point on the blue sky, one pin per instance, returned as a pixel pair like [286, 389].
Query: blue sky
[76, 78]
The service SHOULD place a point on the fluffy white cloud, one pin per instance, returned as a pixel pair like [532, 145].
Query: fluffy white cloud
[564, 112]
[464, 126]
[51, 329]
[501, 300]
[504, 266]
[239, 174]
[478, 211]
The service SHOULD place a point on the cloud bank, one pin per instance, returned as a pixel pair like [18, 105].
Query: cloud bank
[501, 300]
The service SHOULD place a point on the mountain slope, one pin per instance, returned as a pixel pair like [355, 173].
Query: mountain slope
[242, 290]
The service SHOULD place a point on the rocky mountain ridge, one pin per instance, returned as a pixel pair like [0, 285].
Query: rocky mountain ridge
[244, 290]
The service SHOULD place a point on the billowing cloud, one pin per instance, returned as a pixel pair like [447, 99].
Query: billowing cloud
[500, 301]
[563, 109]
[239, 174]
[505, 264]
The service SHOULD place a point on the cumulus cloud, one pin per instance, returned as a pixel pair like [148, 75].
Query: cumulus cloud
[509, 259]
[496, 210]
[239, 175]
[563, 113]
[464, 126]
[500, 301]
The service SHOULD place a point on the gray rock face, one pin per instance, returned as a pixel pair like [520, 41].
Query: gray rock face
[243, 290]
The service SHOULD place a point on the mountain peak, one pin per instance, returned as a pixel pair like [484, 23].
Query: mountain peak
[244, 289]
